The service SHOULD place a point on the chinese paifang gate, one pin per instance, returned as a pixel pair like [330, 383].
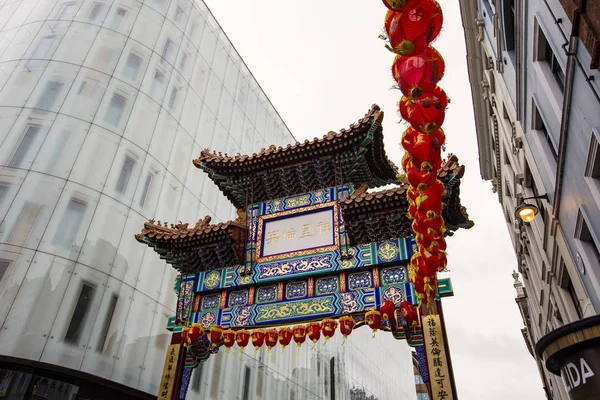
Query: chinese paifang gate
[311, 250]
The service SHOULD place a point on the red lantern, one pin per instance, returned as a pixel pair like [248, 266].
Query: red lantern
[195, 332]
[216, 334]
[426, 114]
[346, 325]
[258, 338]
[411, 30]
[271, 337]
[418, 73]
[299, 334]
[409, 312]
[242, 337]
[285, 336]
[387, 309]
[184, 335]
[313, 330]
[228, 339]
[373, 318]
[329, 326]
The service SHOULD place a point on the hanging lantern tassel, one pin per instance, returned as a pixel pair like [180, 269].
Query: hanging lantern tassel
[346, 326]
[373, 318]
[271, 337]
[299, 336]
[285, 337]
[329, 326]
[242, 338]
[258, 339]
[228, 339]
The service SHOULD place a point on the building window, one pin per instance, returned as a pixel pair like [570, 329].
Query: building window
[49, 95]
[178, 14]
[84, 301]
[67, 10]
[537, 123]
[508, 11]
[546, 54]
[146, 188]
[70, 223]
[132, 66]
[125, 174]
[95, 12]
[168, 50]
[24, 146]
[115, 109]
[575, 299]
[246, 390]
[183, 61]
[106, 324]
[42, 51]
[159, 80]
[173, 97]
[587, 237]
[4, 264]
[592, 165]
[118, 18]
[20, 231]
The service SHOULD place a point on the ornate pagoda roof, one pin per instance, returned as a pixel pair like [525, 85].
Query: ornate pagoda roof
[381, 215]
[351, 156]
[199, 248]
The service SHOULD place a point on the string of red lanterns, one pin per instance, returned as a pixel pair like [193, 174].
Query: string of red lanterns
[313, 331]
[411, 25]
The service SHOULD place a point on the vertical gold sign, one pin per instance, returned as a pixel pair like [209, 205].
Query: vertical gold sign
[165, 391]
[439, 377]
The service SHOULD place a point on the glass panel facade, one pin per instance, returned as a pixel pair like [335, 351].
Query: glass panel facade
[103, 105]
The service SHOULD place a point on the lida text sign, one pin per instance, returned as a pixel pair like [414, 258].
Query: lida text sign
[298, 232]
[581, 373]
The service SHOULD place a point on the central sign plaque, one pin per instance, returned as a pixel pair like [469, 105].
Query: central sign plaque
[298, 232]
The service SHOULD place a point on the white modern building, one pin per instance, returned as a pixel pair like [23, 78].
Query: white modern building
[535, 95]
[103, 105]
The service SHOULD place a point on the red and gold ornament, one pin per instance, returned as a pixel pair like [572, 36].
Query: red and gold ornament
[329, 326]
[313, 330]
[228, 339]
[387, 310]
[285, 336]
[411, 29]
[258, 339]
[242, 337]
[216, 335]
[347, 324]
[299, 332]
[373, 318]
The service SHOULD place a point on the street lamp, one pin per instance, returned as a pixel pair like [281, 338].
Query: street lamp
[527, 212]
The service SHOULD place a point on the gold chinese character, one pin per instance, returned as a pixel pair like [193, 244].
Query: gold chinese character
[273, 236]
[324, 226]
[289, 234]
[305, 231]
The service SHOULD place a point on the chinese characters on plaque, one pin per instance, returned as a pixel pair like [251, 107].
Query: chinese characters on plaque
[437, 361]
[298, 232]
[165, 391]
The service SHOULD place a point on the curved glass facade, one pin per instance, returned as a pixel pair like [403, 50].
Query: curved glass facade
[103, 105]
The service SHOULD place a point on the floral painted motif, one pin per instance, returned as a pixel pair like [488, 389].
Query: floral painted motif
[266, 294]
[327, 285]
[393, 275]
[295, 290]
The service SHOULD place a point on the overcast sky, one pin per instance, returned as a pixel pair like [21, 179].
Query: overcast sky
[322, 65]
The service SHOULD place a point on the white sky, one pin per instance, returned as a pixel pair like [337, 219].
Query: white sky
[322, 66]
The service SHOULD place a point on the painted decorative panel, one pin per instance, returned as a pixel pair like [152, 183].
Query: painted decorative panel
[238, 298]
[211, 301]
[360, 280]
[327, 285]
[393, 275]
[267, 294]
[296, 290]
